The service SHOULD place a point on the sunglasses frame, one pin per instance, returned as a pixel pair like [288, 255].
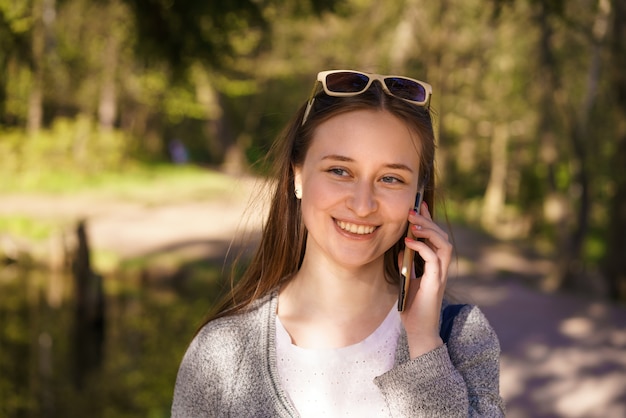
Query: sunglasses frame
[322, 75]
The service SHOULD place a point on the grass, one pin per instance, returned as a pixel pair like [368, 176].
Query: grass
[139, 183]
[25, 227]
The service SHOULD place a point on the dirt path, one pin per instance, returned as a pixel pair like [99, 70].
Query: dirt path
[562, 355]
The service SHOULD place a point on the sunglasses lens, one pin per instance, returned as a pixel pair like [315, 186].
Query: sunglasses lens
[346, 82]
[406, 89]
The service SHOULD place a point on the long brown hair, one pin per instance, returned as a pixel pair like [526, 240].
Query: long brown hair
[282, 246]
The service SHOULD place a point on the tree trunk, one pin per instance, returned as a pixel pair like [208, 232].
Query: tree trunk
[89, 314]
[615, 261]
[216, 125]
[495, 195]
[38, 41]
[571, 266]
[107, 106]
[404, 38]
[4, 76]
[555, 205]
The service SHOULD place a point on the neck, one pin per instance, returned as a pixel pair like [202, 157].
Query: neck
[343, 291]
[325, 307]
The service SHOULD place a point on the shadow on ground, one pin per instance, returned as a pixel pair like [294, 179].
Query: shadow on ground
[563, 355]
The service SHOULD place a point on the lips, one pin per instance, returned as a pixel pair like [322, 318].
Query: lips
[356, 229]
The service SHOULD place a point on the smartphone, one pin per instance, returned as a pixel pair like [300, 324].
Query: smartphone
[409, 257]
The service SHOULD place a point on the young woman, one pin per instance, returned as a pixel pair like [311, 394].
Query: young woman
[315, 326]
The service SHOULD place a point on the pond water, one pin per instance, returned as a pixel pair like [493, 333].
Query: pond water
[52, 364]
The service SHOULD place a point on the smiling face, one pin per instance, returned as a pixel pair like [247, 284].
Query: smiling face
[358, 182]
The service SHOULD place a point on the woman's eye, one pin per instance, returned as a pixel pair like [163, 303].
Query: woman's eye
[391, 180]
[338, 171]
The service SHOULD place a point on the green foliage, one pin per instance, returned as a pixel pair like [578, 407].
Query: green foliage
[26, 227]
[72, 146]
[224, 77]
[212, 31]
[16, 15]
[141, 183]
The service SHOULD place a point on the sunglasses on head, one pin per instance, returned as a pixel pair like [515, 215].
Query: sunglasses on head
[345, 83]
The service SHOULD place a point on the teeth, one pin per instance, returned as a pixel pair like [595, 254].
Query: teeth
[356, 229]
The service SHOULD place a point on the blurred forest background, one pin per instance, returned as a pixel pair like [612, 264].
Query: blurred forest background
[530, 98]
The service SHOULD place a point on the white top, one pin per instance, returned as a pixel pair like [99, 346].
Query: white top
[338, 382]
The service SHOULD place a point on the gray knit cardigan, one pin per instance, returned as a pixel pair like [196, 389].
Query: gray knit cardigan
[229, 370]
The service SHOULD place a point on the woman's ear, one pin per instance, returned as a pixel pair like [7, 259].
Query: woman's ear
[297, 181]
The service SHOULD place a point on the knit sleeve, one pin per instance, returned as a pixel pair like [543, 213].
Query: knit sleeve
[195, 394]
[459, 379]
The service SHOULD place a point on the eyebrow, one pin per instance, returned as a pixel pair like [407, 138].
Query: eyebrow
[394, 166]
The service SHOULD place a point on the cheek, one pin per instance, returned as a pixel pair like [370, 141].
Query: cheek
[320, 194]
[398, 205]
[398, 214]
[315, 200]
[401, 227]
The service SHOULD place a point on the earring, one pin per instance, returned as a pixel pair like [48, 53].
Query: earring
[298, 193]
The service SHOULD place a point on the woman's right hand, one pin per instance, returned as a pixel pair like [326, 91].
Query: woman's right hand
[421, 314]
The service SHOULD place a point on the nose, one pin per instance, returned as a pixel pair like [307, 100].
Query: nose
[363, 200]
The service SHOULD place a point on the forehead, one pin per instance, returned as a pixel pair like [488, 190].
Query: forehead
[367, 136]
